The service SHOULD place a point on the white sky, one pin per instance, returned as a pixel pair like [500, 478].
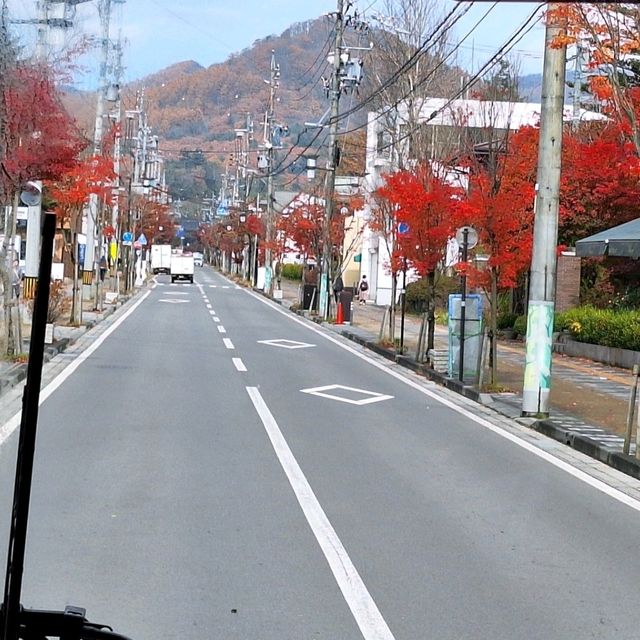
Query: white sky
[159, 33]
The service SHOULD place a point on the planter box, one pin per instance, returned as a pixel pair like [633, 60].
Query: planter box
[613, 356]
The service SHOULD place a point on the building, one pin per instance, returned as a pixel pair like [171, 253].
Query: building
[444, 128]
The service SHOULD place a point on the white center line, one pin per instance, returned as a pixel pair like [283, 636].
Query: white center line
[228, 343]
[221, 329]
[212, 312]
[364, 609]
[216, 319]
[209, 306]
[239, 365]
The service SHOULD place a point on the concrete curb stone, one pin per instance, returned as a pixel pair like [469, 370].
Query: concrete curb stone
[618, 461]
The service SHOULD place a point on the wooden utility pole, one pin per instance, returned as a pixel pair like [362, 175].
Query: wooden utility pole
[542, 288]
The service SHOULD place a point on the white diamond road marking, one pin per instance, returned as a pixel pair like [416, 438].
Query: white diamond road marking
[173, 301]
[286, 344]
[371, 396]
[212, 312]
[216, 319]
[221, 329]
[228, 343]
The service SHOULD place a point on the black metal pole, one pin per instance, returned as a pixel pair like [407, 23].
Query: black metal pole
[463, 301]
[27, 439]
[404, 304]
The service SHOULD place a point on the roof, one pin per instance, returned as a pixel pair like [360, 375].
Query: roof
[483, 113]
[622, 240]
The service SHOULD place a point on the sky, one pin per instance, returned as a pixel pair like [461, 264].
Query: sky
[159, 33]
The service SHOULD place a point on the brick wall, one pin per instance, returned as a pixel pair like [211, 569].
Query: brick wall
[567, 282]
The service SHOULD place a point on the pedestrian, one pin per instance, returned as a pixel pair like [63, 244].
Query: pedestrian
[310, 275]
[103, 268]
[338, 286]
[363, 288]
[16, 279]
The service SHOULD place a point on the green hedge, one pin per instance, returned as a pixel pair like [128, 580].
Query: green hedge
[605, 327]
[559, 323]
[292, 271]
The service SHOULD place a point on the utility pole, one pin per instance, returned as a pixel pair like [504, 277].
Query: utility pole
[89, 267]
[269, 129]
[537, 372]
[335, 88]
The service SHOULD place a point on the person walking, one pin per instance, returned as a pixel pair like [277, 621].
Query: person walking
[363, 288]
[338, 286]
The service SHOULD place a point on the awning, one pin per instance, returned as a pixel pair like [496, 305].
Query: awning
[622, 241]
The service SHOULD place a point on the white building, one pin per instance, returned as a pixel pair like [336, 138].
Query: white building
[446, 122]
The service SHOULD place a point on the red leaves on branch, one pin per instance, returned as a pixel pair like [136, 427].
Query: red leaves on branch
[71, 191]
[424, 211]
[42, 139]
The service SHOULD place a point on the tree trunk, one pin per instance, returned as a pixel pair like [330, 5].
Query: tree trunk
[76, 297]
[431, 310]
[392, 312]
[493, 329]
[9, 300]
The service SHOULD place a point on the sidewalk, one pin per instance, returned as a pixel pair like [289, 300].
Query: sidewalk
[588, 400]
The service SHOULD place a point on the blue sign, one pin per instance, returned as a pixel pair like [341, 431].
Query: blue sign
[222, 211]
[142, 239]
[403, 227]
[180, 232]
[127, 237]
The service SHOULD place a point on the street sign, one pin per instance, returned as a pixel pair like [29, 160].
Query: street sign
[403, 227]
[142, 239]
[127, 238]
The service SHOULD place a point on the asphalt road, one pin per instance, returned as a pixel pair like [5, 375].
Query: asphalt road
[195, 479]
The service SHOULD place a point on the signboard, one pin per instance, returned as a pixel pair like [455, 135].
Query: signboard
[142, 239]
[403, 227]
[127, 238]
[357, 257]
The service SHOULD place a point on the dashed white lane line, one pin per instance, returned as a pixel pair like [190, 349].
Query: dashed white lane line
[221, 329]
[228, 343]
[238, 364]
[209, 306]
[216, 319]
[212, 312]
[364, 609]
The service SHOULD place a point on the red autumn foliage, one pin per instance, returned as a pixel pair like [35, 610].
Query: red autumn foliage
[43, 141]
[426, 208]
[499, 205]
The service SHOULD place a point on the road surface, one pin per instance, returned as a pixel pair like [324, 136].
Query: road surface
[212, 466]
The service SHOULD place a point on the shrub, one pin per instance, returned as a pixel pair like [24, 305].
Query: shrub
[520, 325]
[605, 327]
[506, 320]
[59, 301]
[292, 271]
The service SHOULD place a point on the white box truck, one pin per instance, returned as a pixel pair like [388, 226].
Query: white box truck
[182, 267]
[160, 258]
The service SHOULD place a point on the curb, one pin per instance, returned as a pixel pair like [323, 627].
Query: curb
[18, 372]
[626, 464]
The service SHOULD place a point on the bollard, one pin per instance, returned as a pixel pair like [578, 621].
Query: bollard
[631, 411]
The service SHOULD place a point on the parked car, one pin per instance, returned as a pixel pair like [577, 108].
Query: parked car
[198, 259]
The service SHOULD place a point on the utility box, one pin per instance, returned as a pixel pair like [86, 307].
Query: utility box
[472, 335]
